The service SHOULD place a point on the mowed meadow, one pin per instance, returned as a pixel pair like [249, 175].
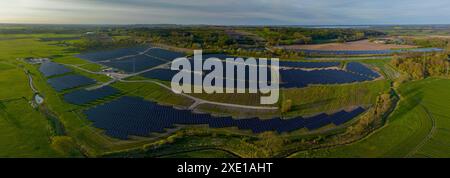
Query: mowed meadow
[24, 131]
[417, 128]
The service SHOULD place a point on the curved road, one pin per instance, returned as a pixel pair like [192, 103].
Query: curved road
[197, 101]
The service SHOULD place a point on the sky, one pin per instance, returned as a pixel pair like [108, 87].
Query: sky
[226, 12]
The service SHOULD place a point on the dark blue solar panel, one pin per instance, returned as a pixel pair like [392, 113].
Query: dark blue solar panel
[69, 81]
[135, 64]
[111, 54]
[135, 116]
[343, 117]
[164, 54]
[309, 64]
[160, 74]
[365, 52]
[289, 78]
[83, 96]
[51, 69]
[361, 69]
[301, 78]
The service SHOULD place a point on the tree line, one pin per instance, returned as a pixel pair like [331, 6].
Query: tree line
[422, 65]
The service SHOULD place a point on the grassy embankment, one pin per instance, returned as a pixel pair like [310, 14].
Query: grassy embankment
[409, 131]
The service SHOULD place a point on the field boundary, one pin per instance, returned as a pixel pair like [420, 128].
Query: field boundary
[429, 135]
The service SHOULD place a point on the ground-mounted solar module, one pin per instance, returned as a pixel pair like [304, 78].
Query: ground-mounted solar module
[164, 54]
[69, 81]
[308, 64]
[84, 96]
[290, 78]
[301, 78]
[135, 64]
[160, 74]
[52, 69]
[167, 75]
[361, 69]
[365, 52]
[134, 116]
[293, 64]
[112, 53]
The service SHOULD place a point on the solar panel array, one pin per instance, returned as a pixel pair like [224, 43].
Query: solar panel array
[361, 69]
[301, 78]
[135, 116]
[365, 52]
[309, 64]
[295, 78]
[135, 64]
[293, 64]
[167, 75]
[160, 74]
[111, 54]
[83, 96]
[52, 69]
[164, 54]
[69, 81]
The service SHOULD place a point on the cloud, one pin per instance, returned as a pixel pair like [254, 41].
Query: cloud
[252, 12]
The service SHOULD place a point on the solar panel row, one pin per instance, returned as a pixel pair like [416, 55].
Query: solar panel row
[365, 52]
[135, 64]
[83, 96]
[164, 54]
[301, 78]
[135, 116]
[289, 78]
[51, 69]
[111, 54]
[361, 69]
[69, 81]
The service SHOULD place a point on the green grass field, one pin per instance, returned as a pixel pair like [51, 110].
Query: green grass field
[34, 137]
[316, 99]
[79, 62]
[24, 132]
[153, 92]
[408, 127]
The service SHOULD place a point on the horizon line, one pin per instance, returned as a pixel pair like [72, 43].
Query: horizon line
[200, 24]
